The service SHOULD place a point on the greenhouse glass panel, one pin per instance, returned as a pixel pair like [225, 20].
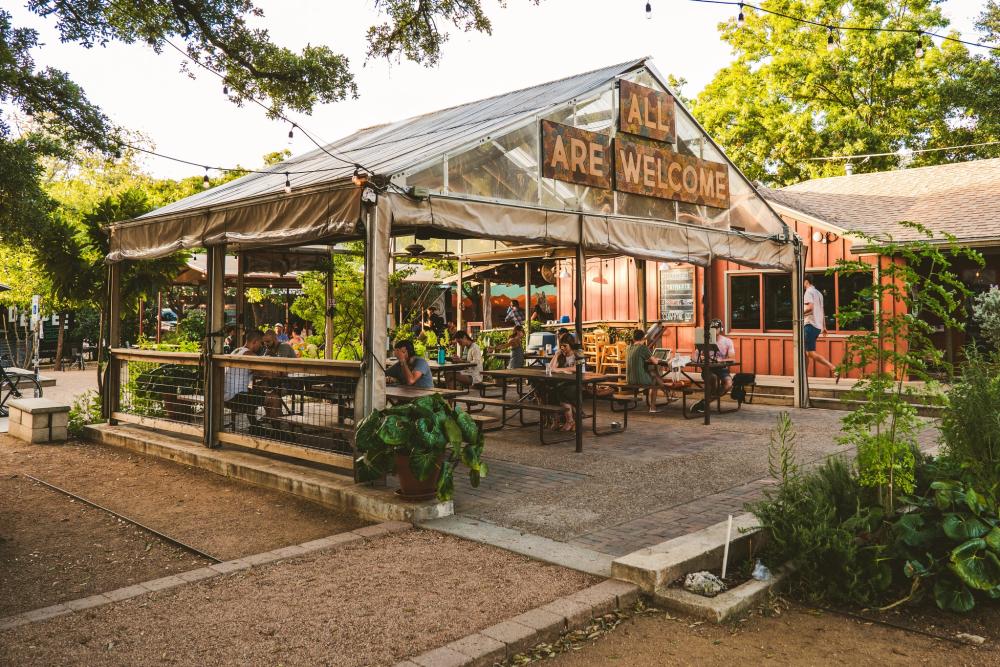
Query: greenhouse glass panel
[706, 216]
[689, 138]
[645, 207]
[431, 177]
[501, 168]
[596, 114]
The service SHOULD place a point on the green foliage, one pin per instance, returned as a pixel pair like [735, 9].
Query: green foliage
[785, 98]
[427, 430]
[191, 327]
[86, 409]
[986, 311]
[883, 427]
[818, 520]
[970, 425]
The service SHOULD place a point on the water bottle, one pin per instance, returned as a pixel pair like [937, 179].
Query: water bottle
[441, 356]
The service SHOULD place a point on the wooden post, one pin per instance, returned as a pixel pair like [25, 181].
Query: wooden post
[459, 319]
[112, 389]
[706, 318]
[328, 318]
[142, 313]
[527, 295]
[581, 262]
[800, 379]
[159, 315]
[214, 322]
[640, 288]
[242, 321]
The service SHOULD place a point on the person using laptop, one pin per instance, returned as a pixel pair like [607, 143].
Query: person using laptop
[642, 369]
[719, 379]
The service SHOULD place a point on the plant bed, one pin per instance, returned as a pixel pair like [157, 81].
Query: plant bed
[726, 605]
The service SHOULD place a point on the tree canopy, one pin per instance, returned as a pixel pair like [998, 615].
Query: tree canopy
[786, 98]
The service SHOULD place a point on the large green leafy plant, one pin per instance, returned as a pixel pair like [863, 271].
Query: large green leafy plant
[428, 430]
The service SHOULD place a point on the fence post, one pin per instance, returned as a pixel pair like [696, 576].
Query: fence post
[112, 387]
[214, 323]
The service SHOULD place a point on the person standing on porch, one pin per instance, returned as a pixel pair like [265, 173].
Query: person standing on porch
[514, 314]
[815, 324]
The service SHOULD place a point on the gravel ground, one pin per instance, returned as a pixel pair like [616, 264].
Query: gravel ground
[53, 549]
[660, 461]
[796, 637]
[369, 604]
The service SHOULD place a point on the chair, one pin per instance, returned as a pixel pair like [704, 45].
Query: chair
[613, 358]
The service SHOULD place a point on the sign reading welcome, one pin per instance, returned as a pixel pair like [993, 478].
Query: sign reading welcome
[643, 164]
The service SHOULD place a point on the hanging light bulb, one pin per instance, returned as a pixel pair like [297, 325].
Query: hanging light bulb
[288, 185]
[649, 11]
[831, 43]
[740, 20]
[359, 178]
[291, 133]
[919, 52]
[204, 181]
[225, 88]
[564, 272]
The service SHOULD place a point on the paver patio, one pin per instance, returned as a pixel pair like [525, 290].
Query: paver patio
[664, 477]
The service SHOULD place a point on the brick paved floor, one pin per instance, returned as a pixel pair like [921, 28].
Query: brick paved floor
[664, 477]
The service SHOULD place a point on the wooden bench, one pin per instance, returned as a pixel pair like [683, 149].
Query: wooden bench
[515, 406]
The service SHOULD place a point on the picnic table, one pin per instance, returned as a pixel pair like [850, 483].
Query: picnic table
[707, 366]
[531, 401]
[401, 393]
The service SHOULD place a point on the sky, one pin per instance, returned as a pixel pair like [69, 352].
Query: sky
[191, 119]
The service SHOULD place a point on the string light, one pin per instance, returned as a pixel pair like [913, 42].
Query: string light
[225, 89]
[288, 185]
[204, 181]
[291, 133]
[740, 20]
[831, 43]
[919, 52]
[359, 178]
[649, 10]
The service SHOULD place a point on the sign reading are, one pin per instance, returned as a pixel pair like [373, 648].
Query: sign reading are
[645, 112]
[654, 170]
[574, 155]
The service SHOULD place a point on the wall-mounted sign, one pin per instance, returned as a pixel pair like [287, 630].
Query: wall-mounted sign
[645, 112]
[577, 156]
[677, 295]
[651, 169]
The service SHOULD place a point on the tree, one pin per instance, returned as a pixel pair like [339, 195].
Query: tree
[786, 98]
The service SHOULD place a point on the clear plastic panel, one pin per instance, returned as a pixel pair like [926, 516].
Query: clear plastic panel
[706, 216]
[431, 177]
[747, 212]
[502, 168]
[645, 207]
[690, 139]
[644, 78]
[596, 114]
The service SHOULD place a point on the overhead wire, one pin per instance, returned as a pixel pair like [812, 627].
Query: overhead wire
[904, 152]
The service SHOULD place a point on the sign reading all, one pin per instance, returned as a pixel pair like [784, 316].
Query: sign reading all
[645, 112]
[651, 169]
[574, 155]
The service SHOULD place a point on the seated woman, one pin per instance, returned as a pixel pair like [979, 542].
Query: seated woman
[642, 369]
[474, 355]
[565, 392]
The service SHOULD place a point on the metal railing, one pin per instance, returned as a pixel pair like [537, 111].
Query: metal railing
[301, 408]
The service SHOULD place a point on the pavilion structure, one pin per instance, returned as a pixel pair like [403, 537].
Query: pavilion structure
[605, 163]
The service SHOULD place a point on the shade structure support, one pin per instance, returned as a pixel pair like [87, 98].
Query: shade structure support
[242, 321]
[706, 317]
[581, 262]
[527, 292]
[112, 386]
[214, 323]
[800, 376]
[328, 314]
[371, 389]
[640, 288]
[159, 315]
[459, 319]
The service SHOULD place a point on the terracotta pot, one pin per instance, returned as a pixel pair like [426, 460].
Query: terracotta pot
[412, 488]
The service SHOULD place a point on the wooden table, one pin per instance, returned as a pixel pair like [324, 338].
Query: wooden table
[401, 393]
[539, 375]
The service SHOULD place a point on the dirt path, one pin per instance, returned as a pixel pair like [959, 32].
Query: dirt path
[53, 549]
[370, 604]
[222, 517]
[795, 637]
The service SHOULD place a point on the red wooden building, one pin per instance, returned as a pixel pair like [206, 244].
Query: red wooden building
[830, 215]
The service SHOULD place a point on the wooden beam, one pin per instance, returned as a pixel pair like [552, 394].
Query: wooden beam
[214, 323]
[161, 424]
[335, 459]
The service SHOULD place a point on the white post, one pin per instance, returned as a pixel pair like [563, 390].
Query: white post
[725, 551]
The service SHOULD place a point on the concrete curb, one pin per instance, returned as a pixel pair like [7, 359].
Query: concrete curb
[542, 624]
[208, 572]
[723, 606]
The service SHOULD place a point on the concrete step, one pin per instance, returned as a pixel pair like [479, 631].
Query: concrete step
[849, 404]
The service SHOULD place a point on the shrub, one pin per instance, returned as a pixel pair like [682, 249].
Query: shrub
[970, 425]
[86, 410]
[986, 312]
[192, 326]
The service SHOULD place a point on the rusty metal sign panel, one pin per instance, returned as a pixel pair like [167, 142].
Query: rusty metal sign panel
[645, 112]
[654, 170]
[577, 156]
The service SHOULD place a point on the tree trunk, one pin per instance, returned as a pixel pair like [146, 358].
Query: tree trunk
[60, 335]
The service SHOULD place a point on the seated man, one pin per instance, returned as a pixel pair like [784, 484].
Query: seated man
[238, 394]
[474, 355]
[275, 347]
[642, 368]
[719, 380]
[410, 369]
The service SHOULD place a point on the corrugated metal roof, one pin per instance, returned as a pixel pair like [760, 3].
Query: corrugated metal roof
[394, 147]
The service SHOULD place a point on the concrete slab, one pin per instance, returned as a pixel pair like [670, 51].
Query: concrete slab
[534, 546]
[653, 568]
[322, 486]
[723, 606]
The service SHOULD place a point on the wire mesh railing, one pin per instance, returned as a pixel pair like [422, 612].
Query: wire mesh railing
[163, 389]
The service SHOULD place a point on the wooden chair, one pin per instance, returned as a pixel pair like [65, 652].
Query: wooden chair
[613, 358]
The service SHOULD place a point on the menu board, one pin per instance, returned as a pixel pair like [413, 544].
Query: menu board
[677, 295]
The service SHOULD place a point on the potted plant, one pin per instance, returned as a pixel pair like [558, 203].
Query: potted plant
[422, 442]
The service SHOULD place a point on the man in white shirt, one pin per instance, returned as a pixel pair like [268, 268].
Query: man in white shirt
[474, 356]
[815, 324]
[237, 393]
[719, 380]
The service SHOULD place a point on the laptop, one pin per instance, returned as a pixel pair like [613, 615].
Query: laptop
[661, 353]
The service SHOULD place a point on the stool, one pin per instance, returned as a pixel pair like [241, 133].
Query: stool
[38, 420]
